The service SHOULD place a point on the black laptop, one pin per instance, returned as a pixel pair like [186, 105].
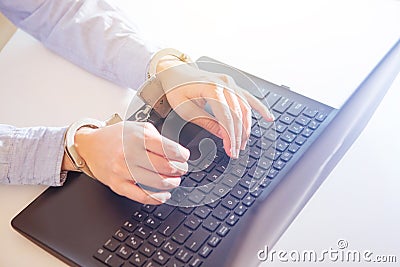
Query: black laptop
[208, 217]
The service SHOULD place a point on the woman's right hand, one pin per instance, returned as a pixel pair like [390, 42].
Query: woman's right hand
[126, 154]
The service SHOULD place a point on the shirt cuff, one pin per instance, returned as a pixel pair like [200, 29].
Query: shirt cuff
[35, 155]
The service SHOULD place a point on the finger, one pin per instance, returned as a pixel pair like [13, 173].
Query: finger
[246, 116]
[127, 188]
[220, 108]
[159, 164]
[149, 178]
[189, 111]
[258, 106]
[156, 143]
[236, 113]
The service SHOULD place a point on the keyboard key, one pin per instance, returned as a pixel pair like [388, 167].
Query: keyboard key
[300, 140]
[214, 241]
[281, 146]
[211, 223]
[202, 211]
[139, 215]
[121, 235]
[230, 202]
[296, 128]
[151, 264]
[272, 154]
[310, 112]
[280, 127]
[272, 99]
[111, 244]
[196, 196]
[230, 181]
[282, 105]
[107, 258]
[149, 208]
[129, 226]
[286, 156]
[279, 164]
[296, 109]
[178, 195]
[265, 182]
[220, 213]
[265, 124]
[170, 247]
[206, 188]
[156, 239]
[161, 257]
[143, 232]
[313, 125]
[303, 120]
[272, 173]
[195, 261]
[239, 170]
[205, 251]
[163, 211]
[147, 249]
[197, 176]
[223, 230]
[137, 259]
[134, 242]
[255, 192]
[288, 137]
[293, 148]
[197, 239]
[174, 263]
[181, 234]
[321, 116]
[124, 252]
[271, 135]
[186, 210]
[193, 222]
[173, 221]
[232, 219]
[152, 222]
[183, 255]
[255, 153]
[248, 200]
[238, 192]
[287, 119]
[307, 132]
[221, 190]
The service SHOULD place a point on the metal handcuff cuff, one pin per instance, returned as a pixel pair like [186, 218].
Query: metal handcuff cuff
[152, 95]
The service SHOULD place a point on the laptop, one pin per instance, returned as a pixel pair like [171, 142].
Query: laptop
[226, 210]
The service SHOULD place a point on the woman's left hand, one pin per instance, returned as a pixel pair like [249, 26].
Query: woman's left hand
[188, 89]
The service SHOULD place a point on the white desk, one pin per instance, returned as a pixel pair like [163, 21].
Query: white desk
[321, 48]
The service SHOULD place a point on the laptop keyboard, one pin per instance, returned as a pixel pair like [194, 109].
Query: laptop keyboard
[209, 202]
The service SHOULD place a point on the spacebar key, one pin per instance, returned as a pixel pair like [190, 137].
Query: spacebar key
[171, 223]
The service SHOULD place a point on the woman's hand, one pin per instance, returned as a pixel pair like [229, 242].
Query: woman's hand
[126, 154]
[188, 89]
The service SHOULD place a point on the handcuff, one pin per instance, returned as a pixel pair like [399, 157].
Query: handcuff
[152, 95]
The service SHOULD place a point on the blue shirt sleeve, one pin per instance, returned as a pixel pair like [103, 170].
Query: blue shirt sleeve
[31, 155]
[94, 35]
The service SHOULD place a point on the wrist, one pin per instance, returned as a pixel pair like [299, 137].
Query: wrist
[82, 136]
[168, 61]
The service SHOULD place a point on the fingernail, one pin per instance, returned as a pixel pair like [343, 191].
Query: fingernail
[168, 182]
[184, 152]
[162, 197]
[271, 116]
[180, 167]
